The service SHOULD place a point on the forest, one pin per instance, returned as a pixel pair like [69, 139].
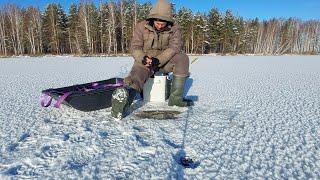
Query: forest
[106, 28]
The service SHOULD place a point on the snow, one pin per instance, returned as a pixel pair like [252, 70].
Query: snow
[255, 117]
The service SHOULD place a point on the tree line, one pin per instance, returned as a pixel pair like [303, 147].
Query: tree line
[107, 28]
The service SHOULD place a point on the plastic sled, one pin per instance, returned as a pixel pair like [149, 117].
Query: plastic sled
[84, 97]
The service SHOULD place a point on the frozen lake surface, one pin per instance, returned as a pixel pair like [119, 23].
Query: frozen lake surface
[254, 116]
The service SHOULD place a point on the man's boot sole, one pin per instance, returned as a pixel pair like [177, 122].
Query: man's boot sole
[119, 103]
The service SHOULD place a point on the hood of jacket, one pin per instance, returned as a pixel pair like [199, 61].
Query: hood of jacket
[162, 10]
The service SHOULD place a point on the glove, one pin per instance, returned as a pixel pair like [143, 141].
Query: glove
[155, 64]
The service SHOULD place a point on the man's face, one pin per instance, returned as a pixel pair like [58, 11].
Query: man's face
[160, 25]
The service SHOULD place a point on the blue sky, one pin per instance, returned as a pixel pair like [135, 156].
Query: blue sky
[263, 9]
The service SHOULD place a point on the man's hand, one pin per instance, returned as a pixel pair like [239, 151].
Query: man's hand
[151, 63]
[147, 61]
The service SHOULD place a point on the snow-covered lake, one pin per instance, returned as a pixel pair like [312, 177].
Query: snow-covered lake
[255, 117]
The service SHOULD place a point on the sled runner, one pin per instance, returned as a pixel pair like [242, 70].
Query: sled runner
[84, 97]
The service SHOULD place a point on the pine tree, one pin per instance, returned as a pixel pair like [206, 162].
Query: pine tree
[215, 23]
[251, 34]
[54, 27]
[143, 11]
[184, 19]
[239, 36]
[62, 25]
[200, 37]
[228, 34]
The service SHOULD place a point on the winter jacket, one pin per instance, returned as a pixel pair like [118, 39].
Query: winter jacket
[148, 41]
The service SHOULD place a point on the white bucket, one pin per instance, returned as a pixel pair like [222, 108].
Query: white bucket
[154, 90]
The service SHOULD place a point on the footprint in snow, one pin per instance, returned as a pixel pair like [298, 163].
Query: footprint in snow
[50, 151]
[23, 138]
[80, 157]
[24, 171]
[80, 137]
[141, 140]
[66, 136]
[13, 147]
[13, 170]
[103, 134]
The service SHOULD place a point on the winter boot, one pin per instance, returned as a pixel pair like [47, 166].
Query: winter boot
[122, 99]
[176, 93]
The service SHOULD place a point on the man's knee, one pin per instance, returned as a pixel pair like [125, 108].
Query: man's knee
[137, 77]
[181, 64]
[181, 58]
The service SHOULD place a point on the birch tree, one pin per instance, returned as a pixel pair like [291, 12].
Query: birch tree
[84, 20]
[16, 27]
[122, 24]
[3, 36]
[32, 30]
[112, 29]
